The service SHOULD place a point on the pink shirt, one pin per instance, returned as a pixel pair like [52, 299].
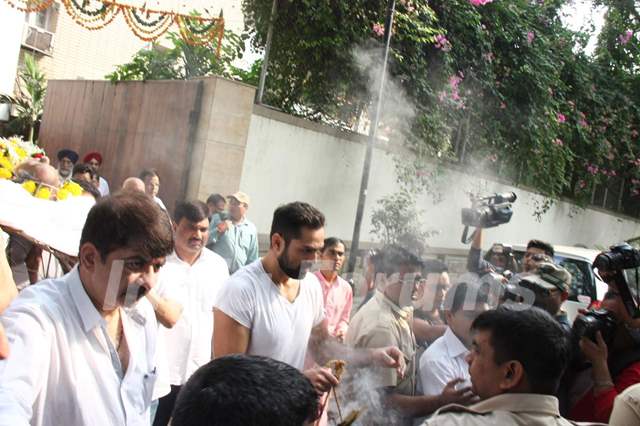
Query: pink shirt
[338, 300]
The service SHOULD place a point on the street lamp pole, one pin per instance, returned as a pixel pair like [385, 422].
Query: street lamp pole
[267, 49]
[373, 132]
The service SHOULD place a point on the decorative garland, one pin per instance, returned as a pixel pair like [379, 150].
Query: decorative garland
[146, 24]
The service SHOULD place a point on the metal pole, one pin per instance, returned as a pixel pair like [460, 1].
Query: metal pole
[267, 48]
[373, 131]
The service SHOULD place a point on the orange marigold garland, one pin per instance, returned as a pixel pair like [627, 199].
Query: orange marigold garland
[91, 14]
[198, 31]
[147, 25]
[30, 5]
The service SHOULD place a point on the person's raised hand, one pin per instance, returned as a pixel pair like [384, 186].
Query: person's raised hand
[451, 395]
[321, 378]
[597, 352]
[390, 357]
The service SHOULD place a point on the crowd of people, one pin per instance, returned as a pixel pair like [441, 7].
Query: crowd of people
[176, 319]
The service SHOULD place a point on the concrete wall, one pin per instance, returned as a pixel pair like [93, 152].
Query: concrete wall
[221, 137]
[289, 159]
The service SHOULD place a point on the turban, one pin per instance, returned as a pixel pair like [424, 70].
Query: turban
[93, 156]
[68, 153]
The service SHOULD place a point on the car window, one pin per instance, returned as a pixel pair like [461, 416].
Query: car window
[581, 277]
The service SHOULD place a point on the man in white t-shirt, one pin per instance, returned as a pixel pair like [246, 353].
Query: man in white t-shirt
[445, 360]
[192, 276]
[273, 308]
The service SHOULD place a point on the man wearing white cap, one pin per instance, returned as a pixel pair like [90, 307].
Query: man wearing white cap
[232, 236]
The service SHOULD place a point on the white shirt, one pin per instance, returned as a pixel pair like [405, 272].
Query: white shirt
[279, 329]
[188, 343]
[103, 186]
[160, 203]
[443, 361]
[63, 368]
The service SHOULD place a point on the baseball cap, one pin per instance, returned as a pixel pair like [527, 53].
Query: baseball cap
[241, 197]
[550, 276]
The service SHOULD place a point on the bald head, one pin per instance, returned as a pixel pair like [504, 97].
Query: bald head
[40, 170]
[133, 184]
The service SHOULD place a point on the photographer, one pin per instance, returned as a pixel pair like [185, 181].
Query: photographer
[550, 284]
[614, 359]
[502, 259]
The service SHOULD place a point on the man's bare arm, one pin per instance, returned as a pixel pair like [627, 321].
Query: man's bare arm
[426, 332]
[167, 311]
[229, 336]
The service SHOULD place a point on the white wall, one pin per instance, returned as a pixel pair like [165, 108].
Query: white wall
[11, 22]
[288, 159]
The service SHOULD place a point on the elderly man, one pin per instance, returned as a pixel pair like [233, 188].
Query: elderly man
[133, 184]
[67, 158]
[234, 237]
[83, 349]
[94, 159]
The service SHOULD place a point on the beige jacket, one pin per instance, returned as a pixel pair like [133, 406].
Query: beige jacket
[506, 409]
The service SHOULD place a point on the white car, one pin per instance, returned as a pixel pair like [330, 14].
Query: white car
[585, 286]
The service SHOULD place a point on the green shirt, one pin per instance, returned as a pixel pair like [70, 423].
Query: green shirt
[238, 245]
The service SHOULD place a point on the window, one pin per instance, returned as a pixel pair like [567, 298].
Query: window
[43, 19]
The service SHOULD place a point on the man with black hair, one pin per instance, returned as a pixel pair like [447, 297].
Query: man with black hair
[83, 346]
[240, 390]
[387, 319]
[501, 259]
[82, 172]
[445, 359]
[515, 364]
[273, 308]
[151, 181]
[183, 301]
[216, 204]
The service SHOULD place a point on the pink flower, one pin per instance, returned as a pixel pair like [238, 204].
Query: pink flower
[592, 169]
[443, 43]
[634, 133]
[583, 123]
[561, 118]
[479, 2]
[582, 184]
[530, 37]
[378, 29]
[626, 37]
[558, 142]
[503, 105]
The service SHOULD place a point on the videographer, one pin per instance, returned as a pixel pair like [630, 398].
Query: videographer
[502, 259]
[614, 357]
[550, 283]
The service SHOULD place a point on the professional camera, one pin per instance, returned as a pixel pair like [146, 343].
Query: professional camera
[621, 264]
[590, 323]
[621, 256]
[488, 212]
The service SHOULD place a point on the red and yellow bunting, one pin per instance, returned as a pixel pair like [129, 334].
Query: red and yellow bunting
[146, 24]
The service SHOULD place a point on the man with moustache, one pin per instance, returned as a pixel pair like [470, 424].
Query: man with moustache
[273, 308]
[191, 276]
[83, 346]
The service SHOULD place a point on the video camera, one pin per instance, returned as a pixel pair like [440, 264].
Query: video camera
[615, 263]
[487, 212]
